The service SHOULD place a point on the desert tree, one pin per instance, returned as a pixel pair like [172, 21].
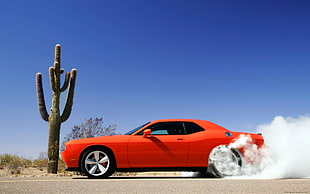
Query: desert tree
[90, 128]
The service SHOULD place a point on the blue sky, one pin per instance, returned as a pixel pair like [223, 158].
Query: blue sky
[236, 63]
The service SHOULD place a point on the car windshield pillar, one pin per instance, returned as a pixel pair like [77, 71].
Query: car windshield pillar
[135, 129]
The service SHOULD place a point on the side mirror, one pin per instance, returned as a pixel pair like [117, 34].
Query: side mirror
[147, 132]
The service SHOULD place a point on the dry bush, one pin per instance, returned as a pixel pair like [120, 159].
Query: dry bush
[41, 162]
[61, 165]
[13, 164]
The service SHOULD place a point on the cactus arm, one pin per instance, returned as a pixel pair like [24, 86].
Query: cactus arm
[40, 97]
[57, 53]
[65, 86]
[52, 78]
[57, 68]
[57, 74]
[68, 107]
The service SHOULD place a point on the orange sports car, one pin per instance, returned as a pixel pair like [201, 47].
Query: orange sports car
[161, 145]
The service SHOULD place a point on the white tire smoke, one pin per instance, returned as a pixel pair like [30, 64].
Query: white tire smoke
[286, 154]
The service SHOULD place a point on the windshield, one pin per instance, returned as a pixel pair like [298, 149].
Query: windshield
[135, 129]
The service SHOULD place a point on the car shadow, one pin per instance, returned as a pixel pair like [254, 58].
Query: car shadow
[196, 176]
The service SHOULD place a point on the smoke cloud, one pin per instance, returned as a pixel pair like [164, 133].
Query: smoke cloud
[286, 154]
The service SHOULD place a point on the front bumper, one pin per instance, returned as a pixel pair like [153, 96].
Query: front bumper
[70, 157]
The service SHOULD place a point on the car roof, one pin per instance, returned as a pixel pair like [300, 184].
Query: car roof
[179, 120]
[202, 123]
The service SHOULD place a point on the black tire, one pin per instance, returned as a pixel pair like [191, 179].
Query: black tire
[206, 174]
[98, 163]
[225, 161]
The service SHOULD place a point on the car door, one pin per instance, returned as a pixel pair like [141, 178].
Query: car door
[166, 146]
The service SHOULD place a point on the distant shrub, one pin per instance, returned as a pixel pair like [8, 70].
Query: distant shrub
[41, 162]
[61, 165]
[14, 164]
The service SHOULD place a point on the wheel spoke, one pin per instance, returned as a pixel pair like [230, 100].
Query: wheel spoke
[104, 160]
[93, 169]
[96, 154]
[101, 168]
[89, 161]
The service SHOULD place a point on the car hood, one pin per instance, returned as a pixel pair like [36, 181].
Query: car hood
[100, 139]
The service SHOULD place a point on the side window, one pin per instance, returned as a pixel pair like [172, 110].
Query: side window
[166, 128]
[192, 128]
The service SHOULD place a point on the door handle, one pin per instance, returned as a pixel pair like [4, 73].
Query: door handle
[180, 139]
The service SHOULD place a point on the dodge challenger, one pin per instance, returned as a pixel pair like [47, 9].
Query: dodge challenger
[160, 145]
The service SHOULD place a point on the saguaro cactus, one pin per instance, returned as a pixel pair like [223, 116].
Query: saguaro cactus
[55, 118]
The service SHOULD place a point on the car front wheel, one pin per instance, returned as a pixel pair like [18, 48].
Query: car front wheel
[98, 163]
[224, 161]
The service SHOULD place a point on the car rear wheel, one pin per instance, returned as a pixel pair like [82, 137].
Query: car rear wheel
[98, 163]
[225, 161]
